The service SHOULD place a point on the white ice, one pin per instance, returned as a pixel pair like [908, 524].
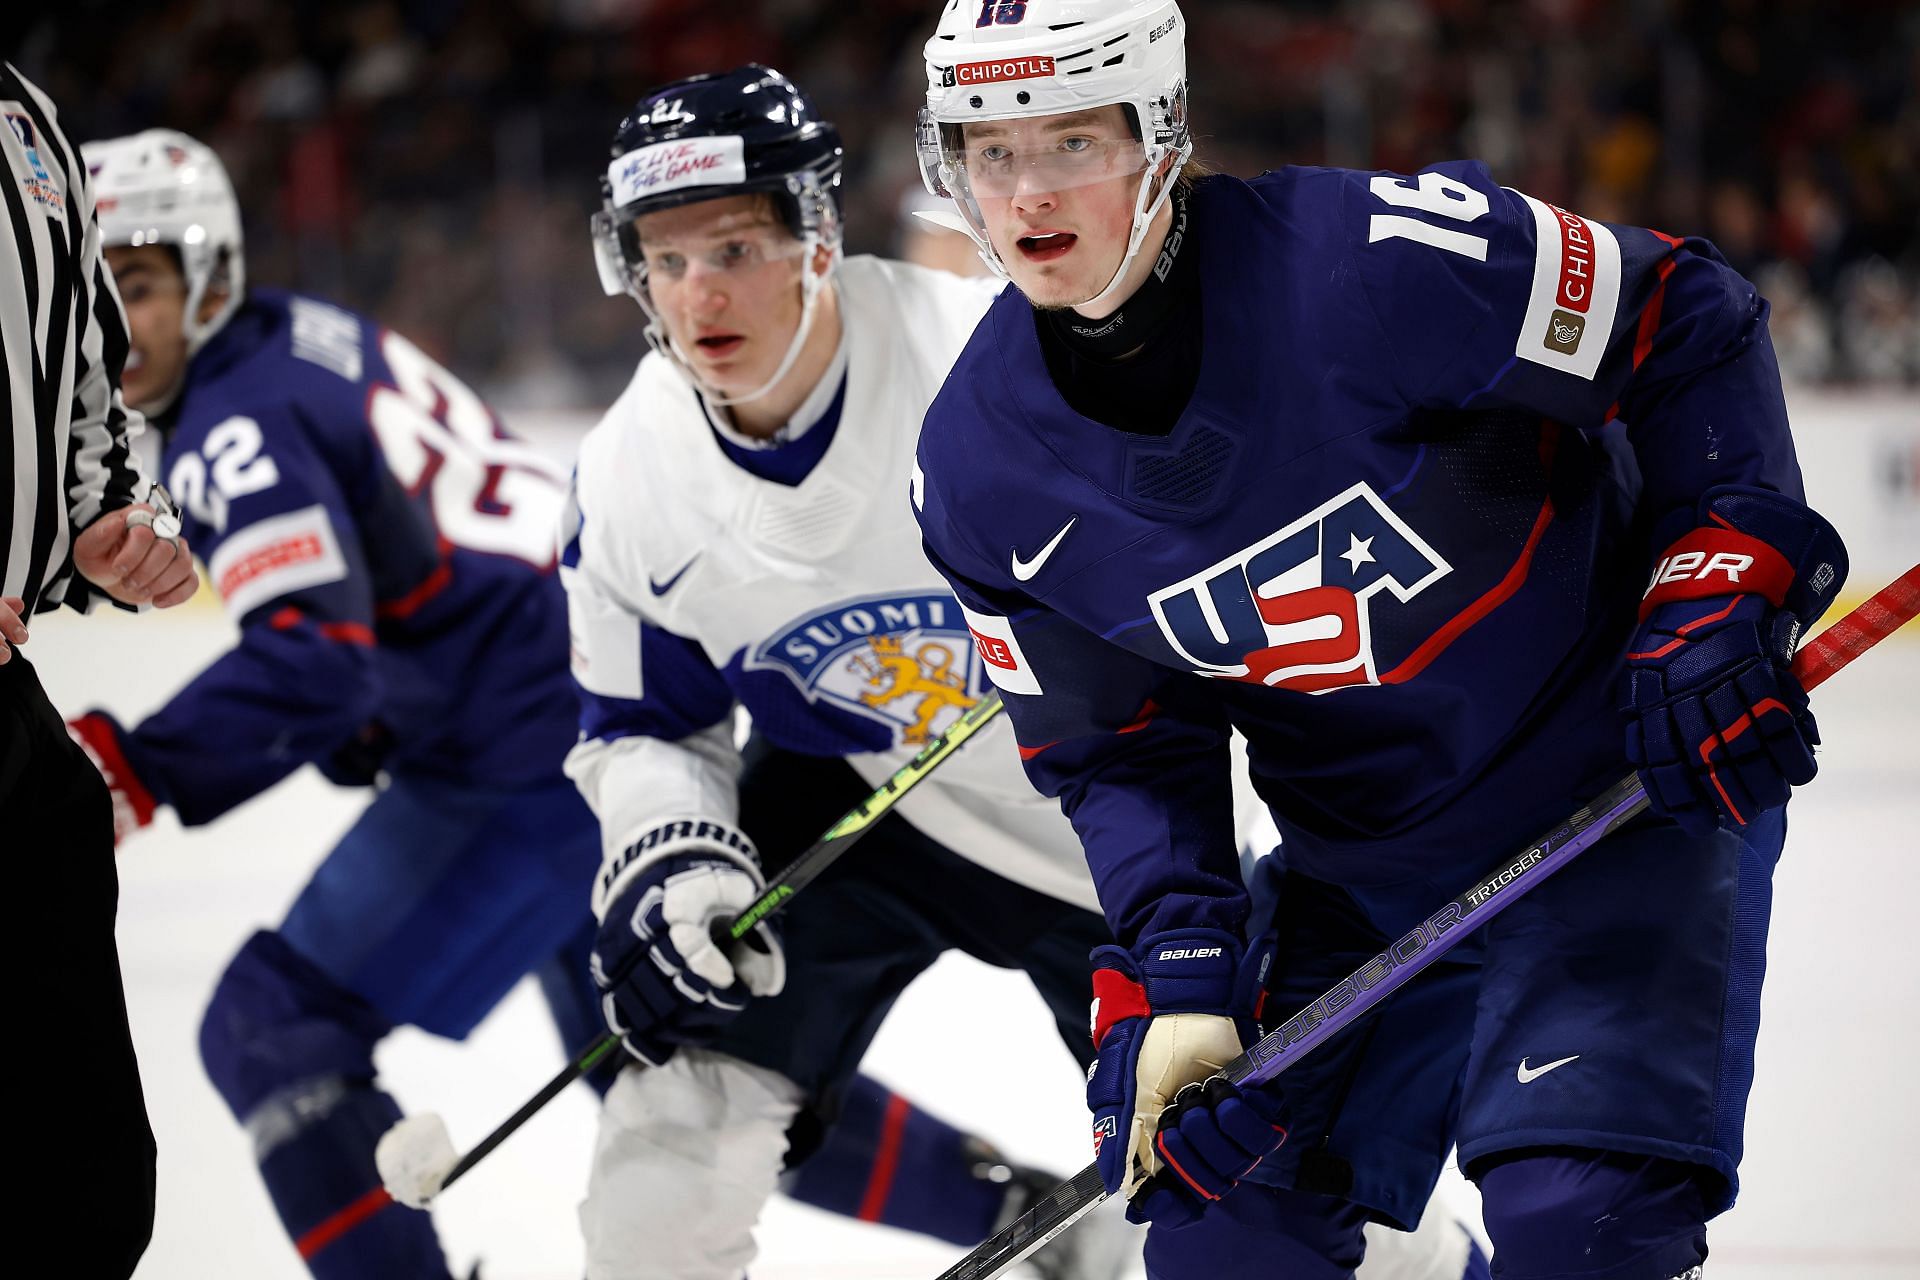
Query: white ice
[1830, 1176]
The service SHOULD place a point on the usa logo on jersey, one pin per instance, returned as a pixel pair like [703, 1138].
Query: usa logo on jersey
[906, 661]
[1293, 610]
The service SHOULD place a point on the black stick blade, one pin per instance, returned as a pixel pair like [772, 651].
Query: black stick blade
[1059, 1209]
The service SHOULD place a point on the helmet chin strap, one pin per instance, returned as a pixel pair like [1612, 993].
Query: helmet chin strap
[810, 287]
[1143, 216]
[1144, 212]
[199, 334]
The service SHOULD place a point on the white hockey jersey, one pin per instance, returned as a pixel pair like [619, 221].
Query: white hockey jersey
[695, 585]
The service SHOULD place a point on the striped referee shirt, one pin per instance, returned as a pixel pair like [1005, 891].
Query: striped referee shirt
[65, 442]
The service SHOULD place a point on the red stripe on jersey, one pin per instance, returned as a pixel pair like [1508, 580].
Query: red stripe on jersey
[1141, 721]
[348, 632]
[886, 1159]
[406, 606]
[1498, 595]
[287, 618]
[1417, 661]
[342, 1222]
[1650, 317]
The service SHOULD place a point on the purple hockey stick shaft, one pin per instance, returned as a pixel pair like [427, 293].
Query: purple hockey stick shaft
[1356, 994]
[1347, 1000]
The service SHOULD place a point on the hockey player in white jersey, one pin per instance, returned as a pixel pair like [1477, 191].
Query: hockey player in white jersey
[740, 537]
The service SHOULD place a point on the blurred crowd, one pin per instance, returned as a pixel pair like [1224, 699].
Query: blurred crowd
[435, 161]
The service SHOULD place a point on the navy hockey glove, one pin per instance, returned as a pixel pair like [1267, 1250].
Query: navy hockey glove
[1719, 727]
[666, 971]
[357, 762]
[101, 737]
[1166, 1015]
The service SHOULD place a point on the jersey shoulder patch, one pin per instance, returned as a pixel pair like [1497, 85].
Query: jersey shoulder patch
[1575, 291]
[328, 337]
[1462, 273]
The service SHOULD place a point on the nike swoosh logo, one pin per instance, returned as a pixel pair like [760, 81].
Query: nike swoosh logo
[1025, 569]
[1527, 1075]
[661, 588]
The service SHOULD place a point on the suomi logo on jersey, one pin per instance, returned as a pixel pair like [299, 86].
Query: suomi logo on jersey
[1293, 609]
[906, 661]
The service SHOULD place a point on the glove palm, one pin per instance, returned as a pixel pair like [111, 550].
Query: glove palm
[1167, 1017]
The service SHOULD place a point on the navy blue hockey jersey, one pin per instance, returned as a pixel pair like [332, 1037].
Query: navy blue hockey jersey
[1397, 538]
[387, 552]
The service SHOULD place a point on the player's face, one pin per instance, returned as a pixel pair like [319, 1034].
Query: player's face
[154, 294]
[724, 276]
[1057, 195]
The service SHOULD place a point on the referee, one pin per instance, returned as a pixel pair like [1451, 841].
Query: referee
[81, 525]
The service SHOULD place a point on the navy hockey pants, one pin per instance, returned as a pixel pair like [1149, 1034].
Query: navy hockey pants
[1603, 1027]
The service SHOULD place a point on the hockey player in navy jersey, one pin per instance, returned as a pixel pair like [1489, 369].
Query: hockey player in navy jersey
[737, 540]
[375, 536]
[386, 551]
[1454, 502]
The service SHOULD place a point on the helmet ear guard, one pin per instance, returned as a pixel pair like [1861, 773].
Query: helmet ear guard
[610, 257]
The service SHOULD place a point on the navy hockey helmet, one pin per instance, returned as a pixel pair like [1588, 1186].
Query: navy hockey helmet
[708, 136]
[739, 132]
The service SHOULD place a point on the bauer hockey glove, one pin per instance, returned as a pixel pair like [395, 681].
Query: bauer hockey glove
[100, 735]
[666, 971]
[1718, 725]
[1166, 1015]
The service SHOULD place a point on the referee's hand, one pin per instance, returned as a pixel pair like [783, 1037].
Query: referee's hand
[132, 564]
[12, 630]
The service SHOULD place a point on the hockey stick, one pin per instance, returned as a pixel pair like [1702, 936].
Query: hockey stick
[1357, 993]
[799, 873]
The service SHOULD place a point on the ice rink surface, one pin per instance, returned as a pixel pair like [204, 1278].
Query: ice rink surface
[1831, 1182]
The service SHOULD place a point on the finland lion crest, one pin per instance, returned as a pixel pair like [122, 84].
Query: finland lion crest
[906, 661]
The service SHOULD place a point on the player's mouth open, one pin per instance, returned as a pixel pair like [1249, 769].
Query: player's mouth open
[1047, 245]
[719, 345]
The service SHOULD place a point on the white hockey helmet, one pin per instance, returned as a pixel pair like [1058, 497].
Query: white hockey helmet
[163, 187]
[1009, 59]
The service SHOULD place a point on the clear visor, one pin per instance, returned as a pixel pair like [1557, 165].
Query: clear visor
[1019, 161]
[1003, 159]
[630, 265]
[649, 270]
[737, 253]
